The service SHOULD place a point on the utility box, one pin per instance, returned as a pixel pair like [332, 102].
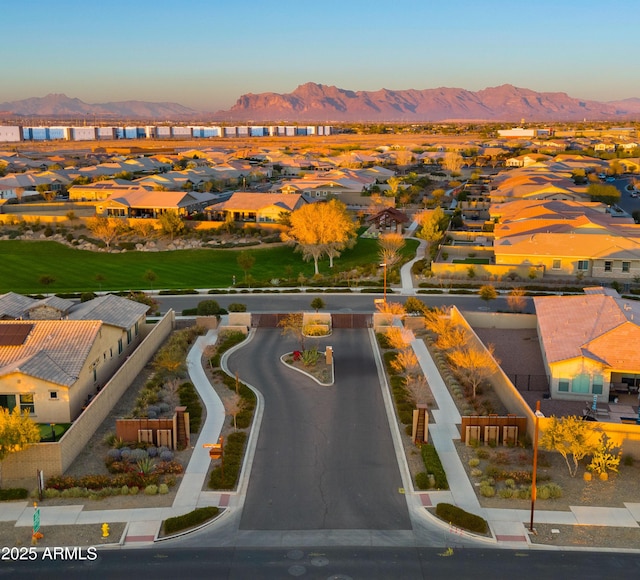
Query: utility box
[491, 435]
[472, 435]
[145, 435]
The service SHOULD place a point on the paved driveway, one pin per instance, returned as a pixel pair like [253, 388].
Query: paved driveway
[324, 459]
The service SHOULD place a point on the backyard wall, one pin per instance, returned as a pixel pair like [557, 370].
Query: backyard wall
[55, 458]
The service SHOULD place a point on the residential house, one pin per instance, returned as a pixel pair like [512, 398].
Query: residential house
[589, 344]
[53, 367]
[566, 238]
[144, 203]
[101, 190]
[245, 206]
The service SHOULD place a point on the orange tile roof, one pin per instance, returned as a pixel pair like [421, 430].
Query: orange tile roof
[595, 326]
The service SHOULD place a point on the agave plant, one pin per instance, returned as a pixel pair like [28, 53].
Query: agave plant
[146, 465]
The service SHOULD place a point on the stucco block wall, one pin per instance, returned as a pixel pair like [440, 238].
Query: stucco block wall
[55, 458]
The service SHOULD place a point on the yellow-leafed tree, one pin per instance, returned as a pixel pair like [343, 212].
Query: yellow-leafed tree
[321, 228]
[17, 432]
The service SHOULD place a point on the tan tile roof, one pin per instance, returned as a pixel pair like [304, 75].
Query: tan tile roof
[242, 200]
[14, 305]
[54, 350]
[596, 326]
[110, 309]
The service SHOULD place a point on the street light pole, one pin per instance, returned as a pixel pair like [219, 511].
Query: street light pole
[535, 465]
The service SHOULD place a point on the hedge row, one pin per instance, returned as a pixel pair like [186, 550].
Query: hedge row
[13, 493]
[233, 453]
[433, 466]
[461, 519]
[190, 520]
[189, 398]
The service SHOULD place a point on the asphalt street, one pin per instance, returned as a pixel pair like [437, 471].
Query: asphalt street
[372, 563]
[257, 303]
[325, 458]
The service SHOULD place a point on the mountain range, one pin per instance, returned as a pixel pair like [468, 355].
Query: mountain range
[312, 102]
[315, 102]
[60, 107]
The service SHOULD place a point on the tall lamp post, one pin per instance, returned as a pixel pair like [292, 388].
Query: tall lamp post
[535, 464]
[384, 283]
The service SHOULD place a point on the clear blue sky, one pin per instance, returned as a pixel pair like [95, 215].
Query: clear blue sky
[206, 53]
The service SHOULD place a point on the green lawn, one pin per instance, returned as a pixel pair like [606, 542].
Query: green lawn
[24, 263]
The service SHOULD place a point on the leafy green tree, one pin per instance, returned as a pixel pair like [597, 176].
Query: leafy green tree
[171, 223]
[106, 229]
[150, 276]
[246, 260]
[317, 303]
[17, 432]
[603, 193]
[45, 191]
[46, 280]
[571, 437]
[433, 224]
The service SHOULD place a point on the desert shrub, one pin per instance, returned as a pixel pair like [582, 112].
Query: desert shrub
[138, 455]
[474, 462]
[166, 455]
[190, 520]
[543, 492]
[555, 491]
[433, 465]
[152, 451]
[524, 492]
[133, 490]
[113, 455]
[487, 490]
[74, 492]
[237, 307]
[208, 308]
[422, 480]
[506, 493]
[151, 490]
[124, 490]
[475, 472]
[125, 453]
[168, 467]
[510, 483]
[383, 340]
[51, 493]
[461, 518]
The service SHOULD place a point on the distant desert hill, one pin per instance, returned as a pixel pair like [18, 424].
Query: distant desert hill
[322, 103]
[61, 106]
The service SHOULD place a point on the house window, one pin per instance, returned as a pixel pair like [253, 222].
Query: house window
[53, 395]
[557, 264]
[26, 403]
[607, 266]
[597, 385]
[8, 402]
[563, 385]
[129, 336]
[581, 384]
[626, 266]
[583, 265]
[119, 346]
[137, 328]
